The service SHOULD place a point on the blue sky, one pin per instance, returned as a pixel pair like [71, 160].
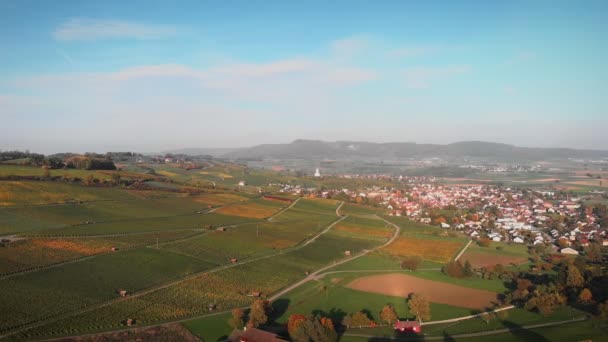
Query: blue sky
[156, 75]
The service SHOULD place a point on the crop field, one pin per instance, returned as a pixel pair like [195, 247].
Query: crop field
[195, 221]
[401, 285]
[359, 210]
[34, 193]
[73, 286]
[496, 253]
[26, 254]
[256, 209]
[370, 228]
[431, 249]
[30, 253]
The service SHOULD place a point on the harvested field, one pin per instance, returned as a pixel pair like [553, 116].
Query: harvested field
[401, 285]
[166, 333]
[481, 259]
[430, 249]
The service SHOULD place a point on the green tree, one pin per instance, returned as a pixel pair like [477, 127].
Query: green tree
[388, 314]
[419, 306]
[257, 314]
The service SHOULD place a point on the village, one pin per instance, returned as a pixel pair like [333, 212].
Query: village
[501, 214]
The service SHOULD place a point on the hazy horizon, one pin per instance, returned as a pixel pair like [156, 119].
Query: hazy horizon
[148, 77]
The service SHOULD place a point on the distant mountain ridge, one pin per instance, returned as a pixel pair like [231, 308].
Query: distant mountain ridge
[317, 149]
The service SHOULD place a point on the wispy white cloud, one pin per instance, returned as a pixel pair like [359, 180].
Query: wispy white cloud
[83, 29]
[347, 47]
[423, 77]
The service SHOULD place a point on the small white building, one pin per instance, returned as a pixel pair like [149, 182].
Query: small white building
[242, 183]
[317, 173]
[518, 240]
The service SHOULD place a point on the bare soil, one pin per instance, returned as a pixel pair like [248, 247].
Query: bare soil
[402, 285]
[480, 259]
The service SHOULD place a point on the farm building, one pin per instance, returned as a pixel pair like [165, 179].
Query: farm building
[254, 294]
[403, 326]
[253, 335]
[347, 253]
[123, 293]
[234, 260]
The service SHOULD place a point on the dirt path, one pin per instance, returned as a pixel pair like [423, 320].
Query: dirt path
[477, 334]
[283, 210]
[463, 250]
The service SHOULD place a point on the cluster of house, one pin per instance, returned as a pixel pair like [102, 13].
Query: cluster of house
[501, 214]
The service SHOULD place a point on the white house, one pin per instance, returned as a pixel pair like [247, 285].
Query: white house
[518, 240]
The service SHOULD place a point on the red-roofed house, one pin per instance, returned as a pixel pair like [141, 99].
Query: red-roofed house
[403, 326]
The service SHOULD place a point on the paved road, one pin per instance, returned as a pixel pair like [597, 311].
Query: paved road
[477, 334]
[463, 250]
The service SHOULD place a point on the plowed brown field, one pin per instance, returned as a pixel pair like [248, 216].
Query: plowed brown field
[402, 285]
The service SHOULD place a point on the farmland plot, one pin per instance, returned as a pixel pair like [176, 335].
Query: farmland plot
[257, 209]
[69, 287]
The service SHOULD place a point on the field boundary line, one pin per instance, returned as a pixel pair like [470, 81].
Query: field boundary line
[463, 250]
[271, 218]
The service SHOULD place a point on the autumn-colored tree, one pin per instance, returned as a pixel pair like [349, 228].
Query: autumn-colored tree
[294, 322]
[388, 314]
[236, 321]
[357, 319]
[419, 306]
[454, 269]
[563, 243]
[315, 329]
[411, 263]
[257, 314]
[575, 278]
[585, 296]
[545, 301]
[484, 242]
